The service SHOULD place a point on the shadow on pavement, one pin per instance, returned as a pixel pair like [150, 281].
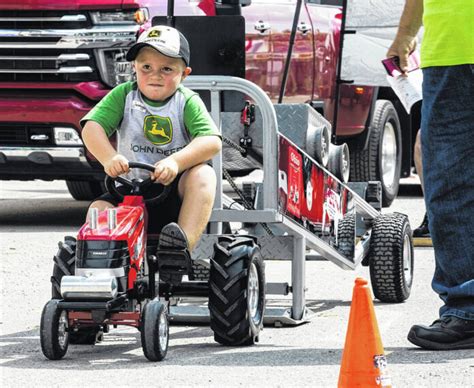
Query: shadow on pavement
[42, 212]
[22, 351]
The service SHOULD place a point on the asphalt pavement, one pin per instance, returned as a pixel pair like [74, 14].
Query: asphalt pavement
[34, 216]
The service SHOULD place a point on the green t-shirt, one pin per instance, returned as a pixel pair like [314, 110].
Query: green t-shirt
[150, 131]
[449, 33]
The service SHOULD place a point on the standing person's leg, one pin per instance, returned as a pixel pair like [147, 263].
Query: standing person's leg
[422, 230]
[447, 139]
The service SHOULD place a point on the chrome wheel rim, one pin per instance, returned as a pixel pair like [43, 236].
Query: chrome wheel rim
[345, 164]
[62, 329]
[407, 260]
[163, 331]
[389, 155]
[324, 147]
[253, 292]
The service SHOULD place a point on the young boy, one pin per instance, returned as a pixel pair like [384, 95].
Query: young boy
[159, 122]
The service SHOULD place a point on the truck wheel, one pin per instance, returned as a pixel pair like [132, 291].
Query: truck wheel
[391, 258]
[236, 291]
[381, 160]
[54, 334]
[64, 264]
[339, 161]
[154, 331]
[317, 144]
[85, 190]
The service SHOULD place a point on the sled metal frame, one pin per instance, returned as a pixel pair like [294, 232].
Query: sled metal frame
[270, 213]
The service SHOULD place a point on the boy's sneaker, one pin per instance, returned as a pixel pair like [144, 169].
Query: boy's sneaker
[423, 229]
[174, 259]
[446, 333]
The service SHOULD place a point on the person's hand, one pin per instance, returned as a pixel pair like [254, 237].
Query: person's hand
[166, 171]
[116, 166]
[402, 47]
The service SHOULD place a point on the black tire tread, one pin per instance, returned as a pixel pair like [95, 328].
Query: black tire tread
[228, 291]
[64, 264]
[149, 331]
[49, 331]
[386, 258]
[364, 165]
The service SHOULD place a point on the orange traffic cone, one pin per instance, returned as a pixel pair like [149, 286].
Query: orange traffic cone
[363, 361]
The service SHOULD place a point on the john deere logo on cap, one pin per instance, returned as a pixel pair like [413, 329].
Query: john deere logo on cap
[158, 130]
[154, 34]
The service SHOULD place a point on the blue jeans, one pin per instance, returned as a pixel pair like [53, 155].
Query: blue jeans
[447, 137]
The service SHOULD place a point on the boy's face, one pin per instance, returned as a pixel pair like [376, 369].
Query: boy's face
[158, 76]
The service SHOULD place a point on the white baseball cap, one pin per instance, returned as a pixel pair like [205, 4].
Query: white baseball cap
[167, 40]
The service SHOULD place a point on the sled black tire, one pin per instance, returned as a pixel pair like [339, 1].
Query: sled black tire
[53, 331]
[154, 330]
[64, 264]
[391, 258]
[236, 291]
[346, 236]
[366, 163]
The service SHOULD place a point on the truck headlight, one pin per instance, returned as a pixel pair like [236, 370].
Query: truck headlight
[113, 66]
[65, 136]
[120, 16]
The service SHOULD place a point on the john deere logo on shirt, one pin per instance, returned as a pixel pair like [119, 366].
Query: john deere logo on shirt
[158, 130]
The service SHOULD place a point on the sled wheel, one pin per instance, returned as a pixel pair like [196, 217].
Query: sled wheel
[54, 334]
[154, 330]
[339, 161]
[346, 236]
[317, 144]
[391, 258]
[86, 336]
[236, 291]
[64, 264]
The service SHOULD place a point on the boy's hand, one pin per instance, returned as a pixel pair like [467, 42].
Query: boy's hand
[166, 171]
[402, 47]
[116, 166]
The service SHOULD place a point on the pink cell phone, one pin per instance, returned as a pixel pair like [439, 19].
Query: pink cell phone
[392, 65]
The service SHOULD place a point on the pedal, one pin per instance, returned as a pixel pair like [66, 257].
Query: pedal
[173, 262]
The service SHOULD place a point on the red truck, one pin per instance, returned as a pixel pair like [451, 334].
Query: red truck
[59, 58]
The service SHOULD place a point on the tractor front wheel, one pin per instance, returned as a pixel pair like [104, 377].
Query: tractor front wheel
[154, 330]
[54, 334]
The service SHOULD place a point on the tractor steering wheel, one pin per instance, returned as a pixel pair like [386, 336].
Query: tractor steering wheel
[136, 186]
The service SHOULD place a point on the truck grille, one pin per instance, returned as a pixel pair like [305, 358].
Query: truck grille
[56, 46]
[22, 135]
[44, 20]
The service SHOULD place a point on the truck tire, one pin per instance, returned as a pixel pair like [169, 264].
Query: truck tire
[64, 264]
[381, 159]
[236, 291]
[391, 258]
[85, 190]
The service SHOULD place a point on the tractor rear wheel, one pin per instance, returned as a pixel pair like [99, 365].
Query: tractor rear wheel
[64, 264]
[236, 291]
[54, 334]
